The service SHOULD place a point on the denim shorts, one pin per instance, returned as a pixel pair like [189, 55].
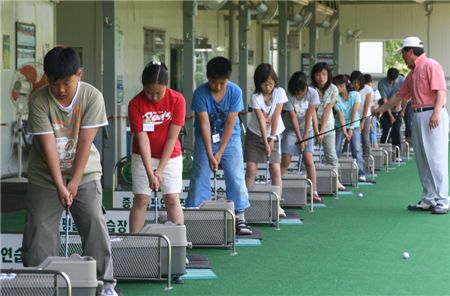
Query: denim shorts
[289, 143]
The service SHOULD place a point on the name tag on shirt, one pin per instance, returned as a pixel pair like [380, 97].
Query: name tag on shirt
[216, 138]
[149, 127]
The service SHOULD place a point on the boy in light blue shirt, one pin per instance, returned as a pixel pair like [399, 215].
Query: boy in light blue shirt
[217, 104]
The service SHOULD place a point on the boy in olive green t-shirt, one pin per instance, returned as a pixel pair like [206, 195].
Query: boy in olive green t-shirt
[64, 166]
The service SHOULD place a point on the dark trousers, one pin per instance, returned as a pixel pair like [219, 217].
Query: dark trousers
[394, 128]
[408, 120]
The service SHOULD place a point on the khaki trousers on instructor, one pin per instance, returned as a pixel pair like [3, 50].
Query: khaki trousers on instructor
[42, 237]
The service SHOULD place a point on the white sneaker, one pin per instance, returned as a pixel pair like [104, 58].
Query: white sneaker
[362, 179]
[281, 212]
[420, 206]
[107, 292]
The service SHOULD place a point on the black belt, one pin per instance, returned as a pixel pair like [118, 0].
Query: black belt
[422, 109]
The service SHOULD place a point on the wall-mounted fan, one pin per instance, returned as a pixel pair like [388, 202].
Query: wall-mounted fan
[212, 4]
[23, 83]
[352, 35]
[302, 18]
[329, 24]
[267, 11]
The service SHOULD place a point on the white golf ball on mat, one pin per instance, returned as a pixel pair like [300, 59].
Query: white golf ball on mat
[405, 255]
[360, 195]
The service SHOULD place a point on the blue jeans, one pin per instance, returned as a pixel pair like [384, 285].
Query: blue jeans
[355, 143]
[373, 131]
[232, 163]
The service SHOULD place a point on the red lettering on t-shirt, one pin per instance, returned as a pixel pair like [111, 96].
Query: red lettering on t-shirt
[170, 109]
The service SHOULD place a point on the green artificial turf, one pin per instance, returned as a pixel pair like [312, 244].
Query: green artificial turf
[353, 246]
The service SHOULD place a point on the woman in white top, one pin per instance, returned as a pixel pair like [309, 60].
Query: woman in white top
[299, 112]
[373, 105]
[262, 139]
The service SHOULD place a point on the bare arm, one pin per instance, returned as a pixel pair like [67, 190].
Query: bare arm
[146, 155]
[404, 105]
[275, 118]
[315, 123]
[295, 124]
[354, 112]
[205, 132]
[388, 104]
[326, 114]
[440, 101]
[262, 124]
[310, 112]
[174, 131]
[227, 133]
[344, 129]
[48, 143]
[366, 108]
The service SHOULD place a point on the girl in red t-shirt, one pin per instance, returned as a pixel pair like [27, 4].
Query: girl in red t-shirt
[156, 116]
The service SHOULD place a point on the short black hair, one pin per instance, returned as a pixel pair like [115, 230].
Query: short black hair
[416, 50]
[358, 76]
[262, 73]
[319, 67]
[392, 73]
[155, 73]
[61, 62]
[297, 82]
[368, 78]
[218, 68]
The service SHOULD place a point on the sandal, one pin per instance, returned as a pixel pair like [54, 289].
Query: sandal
[316, 197]
[242, 228]
[281, 212]
[341, 187]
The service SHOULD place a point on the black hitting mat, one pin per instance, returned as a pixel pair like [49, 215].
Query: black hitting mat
[292, 215]
[198, 262]
[256, 234]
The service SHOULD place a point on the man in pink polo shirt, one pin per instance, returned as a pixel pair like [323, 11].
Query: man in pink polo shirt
[425, 85]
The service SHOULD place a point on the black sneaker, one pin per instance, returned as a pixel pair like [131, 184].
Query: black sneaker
[440, 209]
[242, 228]
[420, 206]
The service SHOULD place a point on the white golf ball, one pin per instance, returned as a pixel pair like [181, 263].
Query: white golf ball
[360, 195]
[405, 255]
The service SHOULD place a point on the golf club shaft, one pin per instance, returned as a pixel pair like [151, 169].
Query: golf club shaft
[215, 185]
[156, 205]
[389, 133]
[331, 130]
[67, 231]
[320, 153]
[300, 159]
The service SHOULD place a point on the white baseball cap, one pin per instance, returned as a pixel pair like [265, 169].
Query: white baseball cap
[411, 42]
